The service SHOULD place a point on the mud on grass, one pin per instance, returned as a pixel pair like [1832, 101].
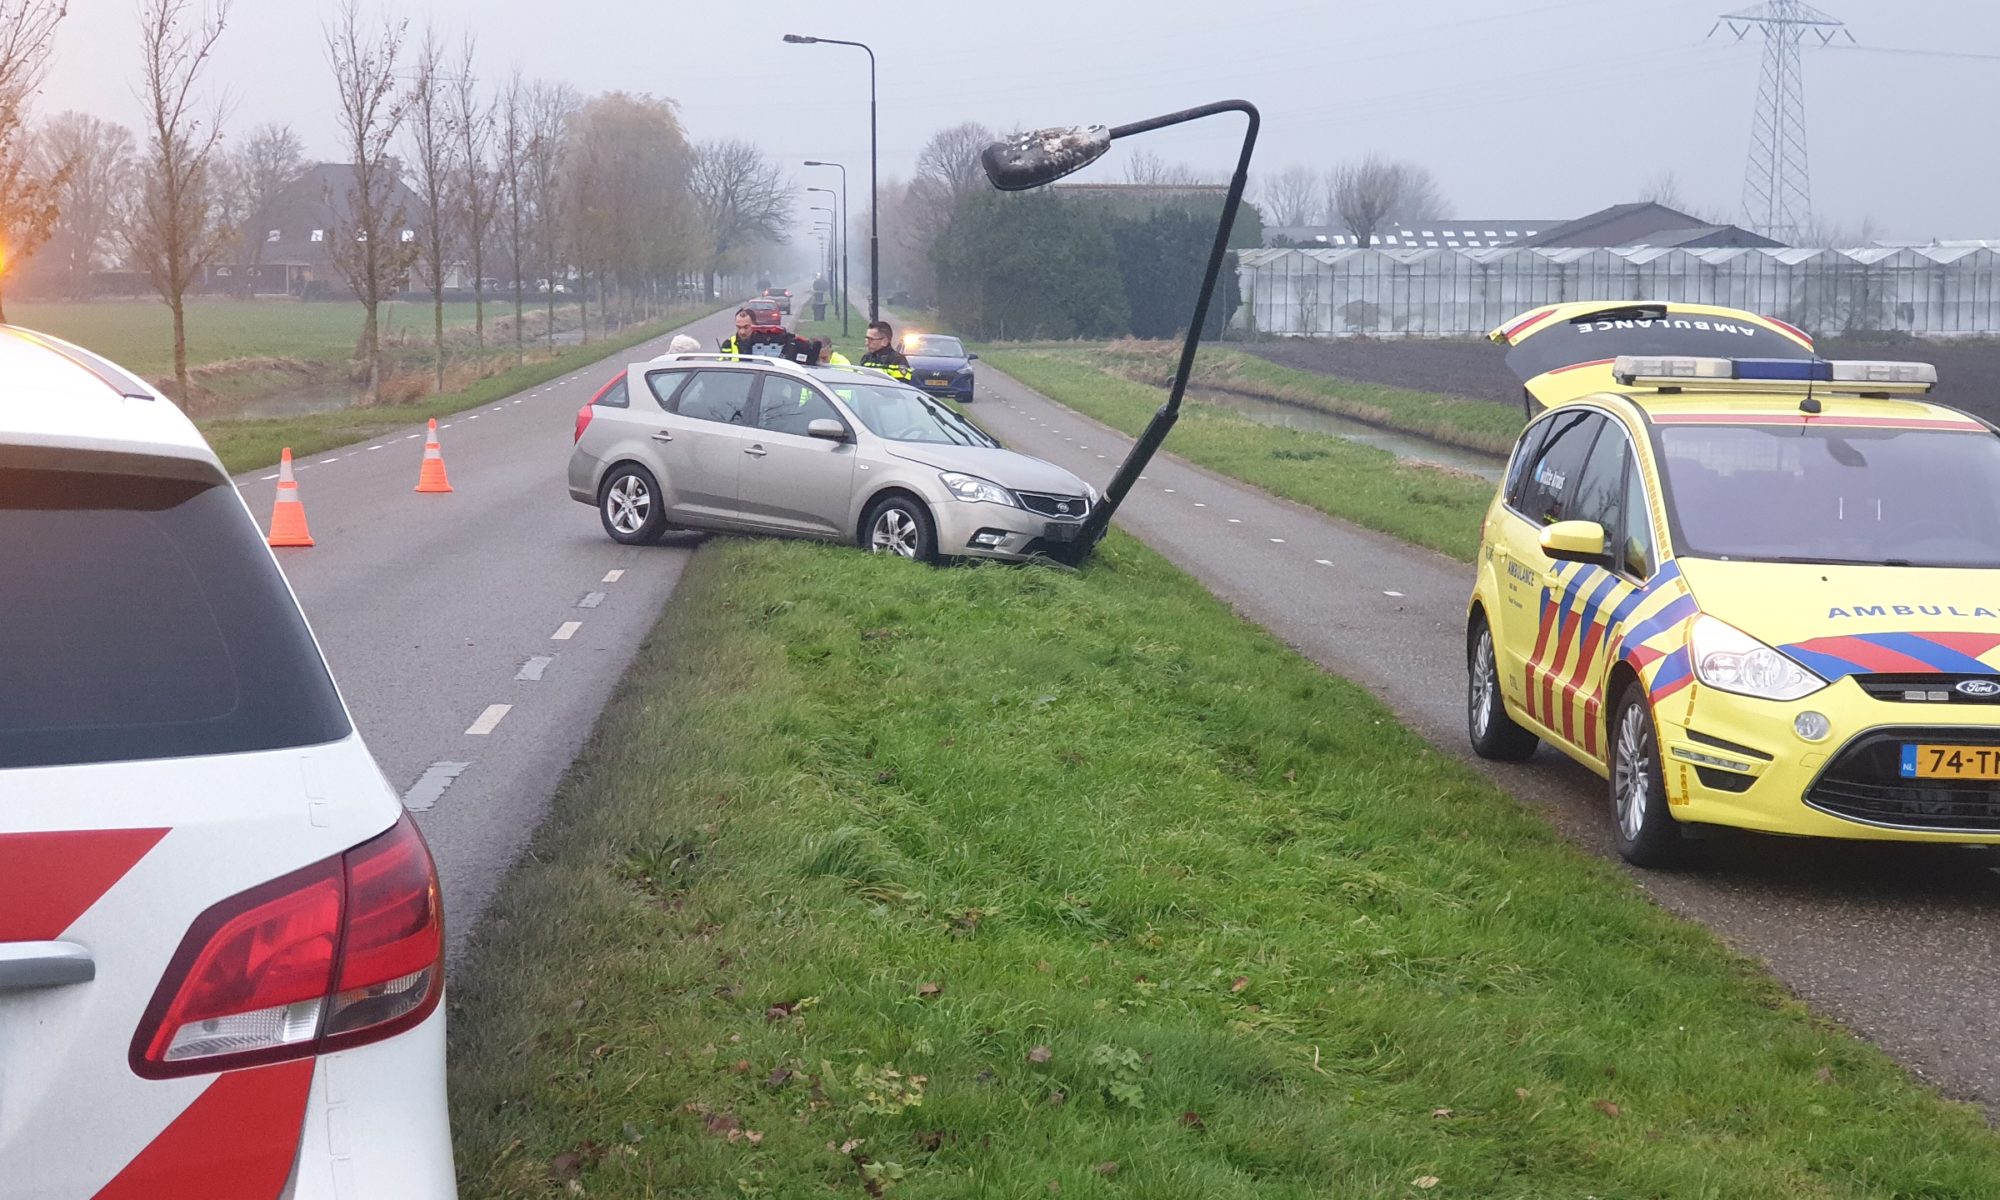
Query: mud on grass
[879, 880]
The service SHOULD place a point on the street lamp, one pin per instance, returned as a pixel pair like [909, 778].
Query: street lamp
[832, 219]
[874, 198]
[845, 280]
[1032, 159]
[840, 248]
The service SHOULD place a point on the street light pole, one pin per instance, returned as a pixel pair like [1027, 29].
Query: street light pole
[832, 217]
[874, 179]
[846, 281]
[839, 243]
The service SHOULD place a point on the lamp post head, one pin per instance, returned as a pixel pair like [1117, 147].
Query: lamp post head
[1028, 160]
[800, 39]
[813, 162]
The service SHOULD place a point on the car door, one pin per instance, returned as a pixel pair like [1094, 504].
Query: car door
[1530, 630]
[789, 480]
[704, 431]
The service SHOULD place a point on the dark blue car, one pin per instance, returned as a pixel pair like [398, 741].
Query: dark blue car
[940, 365]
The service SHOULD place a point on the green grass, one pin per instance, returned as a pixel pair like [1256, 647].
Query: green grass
[245, 443]
[988, 882]
[1424, 505]
[138, 334]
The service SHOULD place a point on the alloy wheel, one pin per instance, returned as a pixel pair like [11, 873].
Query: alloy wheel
[628, 504]
[1483, 683]
[1632, 773]
[894, 533]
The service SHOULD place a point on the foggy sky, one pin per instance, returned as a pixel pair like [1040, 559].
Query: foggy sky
[1540, 109]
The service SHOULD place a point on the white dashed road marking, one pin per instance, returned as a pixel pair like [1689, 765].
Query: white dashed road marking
[1235, 520]
[1324, 562]
[531, 671]
[591, 601]
[613, 576]
[1396, 594]
[429, 789]
[1278, 541]
[488, 720]
[566, 631]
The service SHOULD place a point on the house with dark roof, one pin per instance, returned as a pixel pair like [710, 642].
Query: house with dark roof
[1646, 224]
[287, 248]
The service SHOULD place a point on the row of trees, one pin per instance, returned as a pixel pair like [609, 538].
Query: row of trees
[1360, 196]
[604, 197]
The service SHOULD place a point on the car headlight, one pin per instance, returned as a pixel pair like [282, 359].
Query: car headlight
[974, 489]
[1725, 657]
[1091, 489]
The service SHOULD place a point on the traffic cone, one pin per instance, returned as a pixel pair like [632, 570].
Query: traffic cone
[288, 516]
[431, 478]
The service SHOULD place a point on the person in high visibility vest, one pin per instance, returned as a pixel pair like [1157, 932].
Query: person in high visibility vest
[882, 353]
[740, 343]
[829, 357]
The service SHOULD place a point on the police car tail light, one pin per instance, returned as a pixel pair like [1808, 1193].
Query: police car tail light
[1730, 660]
[346, 951]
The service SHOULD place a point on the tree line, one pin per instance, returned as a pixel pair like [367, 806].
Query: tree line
[437, 175]
[1361, 196]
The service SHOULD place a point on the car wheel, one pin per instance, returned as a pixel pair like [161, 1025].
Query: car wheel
[631, 507]
[1646, 833]
[901, 526]
[1494, 734]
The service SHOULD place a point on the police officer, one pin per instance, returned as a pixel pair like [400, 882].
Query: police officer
[740, 343]
[882, 353]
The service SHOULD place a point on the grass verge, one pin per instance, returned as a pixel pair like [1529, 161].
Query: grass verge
[246, 443]
[991, 882]
[1425, 505]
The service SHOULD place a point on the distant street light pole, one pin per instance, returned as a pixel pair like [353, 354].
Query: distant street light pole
[846, 278]
[832, 221]
[874, 181]
[840, 248]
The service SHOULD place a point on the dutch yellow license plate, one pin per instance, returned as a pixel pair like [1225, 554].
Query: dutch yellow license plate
[1923, 760]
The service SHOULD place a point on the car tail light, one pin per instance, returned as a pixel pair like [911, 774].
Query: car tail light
[347, 951]
[583, 416]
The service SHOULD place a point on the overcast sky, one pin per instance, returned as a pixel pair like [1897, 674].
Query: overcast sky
[1537, 109]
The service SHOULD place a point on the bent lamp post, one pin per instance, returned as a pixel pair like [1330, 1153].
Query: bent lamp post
[1030, 160]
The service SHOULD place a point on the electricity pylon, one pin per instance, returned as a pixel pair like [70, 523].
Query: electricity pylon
[1777, 184]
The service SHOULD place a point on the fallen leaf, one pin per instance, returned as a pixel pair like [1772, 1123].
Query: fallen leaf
[753, 1137]
[1106, 1168]
[1056, 1099]
[778, 1012]
[1040, 1054]
[721, 1123]
[1425, 1182]
[1824, 1074]
[1439, 1114]
[1192, 1120]
[779, 1077]
[851, 1145]
[567, 1165]
[602, 1049]
[740, 1067]
[1520, 1093]
[1239, 983]
[929, 989]
[1292, 776]
[1606, 1107]
[930, 1139]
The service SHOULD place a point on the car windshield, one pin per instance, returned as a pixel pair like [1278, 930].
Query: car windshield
[1834, 494]
[934, 345]
[906, 415]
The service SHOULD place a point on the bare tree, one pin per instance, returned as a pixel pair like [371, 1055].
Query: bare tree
[175, 234]
[628, 174]
[743, 198]
[947, 171]
[513, 165]
[98, 161]
[270, 159]
[1365, 194]
[1293, 196]
[477, 197]
[1145, 167]
[28, 206]
[366, 249]
[431, 138]
[550, 106]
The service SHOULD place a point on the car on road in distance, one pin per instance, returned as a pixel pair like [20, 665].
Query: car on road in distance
[837, 453]
[782, 297]
[767, 314]
[221, 941]
[1761, 593]
[940, 365]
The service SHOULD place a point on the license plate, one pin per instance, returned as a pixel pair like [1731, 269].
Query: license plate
[1061, 531]
[1923, 760]
[940, 383]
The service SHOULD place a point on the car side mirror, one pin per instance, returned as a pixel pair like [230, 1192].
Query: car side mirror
[1576, 541]
[828, 428]
[970, 357]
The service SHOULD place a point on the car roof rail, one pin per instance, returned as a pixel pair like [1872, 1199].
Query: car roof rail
[723, 356]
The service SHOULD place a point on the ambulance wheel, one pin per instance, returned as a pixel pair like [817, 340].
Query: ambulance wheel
[1646, 832]
[1494, 734]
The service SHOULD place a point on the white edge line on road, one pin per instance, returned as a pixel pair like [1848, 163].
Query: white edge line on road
[613, 576]
[488, 720]
[1278, 541]
[565, 631]
[430, 787]
[473, 417]
[267, 477]
[413, 437]
[1398, 595]
[1236, 520]
[376, 446]
[1324, 562]
[1199, 504]
[446, 425]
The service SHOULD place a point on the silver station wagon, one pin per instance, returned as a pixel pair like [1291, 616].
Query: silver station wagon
[757, 445]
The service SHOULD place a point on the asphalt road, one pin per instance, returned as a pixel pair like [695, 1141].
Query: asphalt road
[1898, 943]
[437, 610]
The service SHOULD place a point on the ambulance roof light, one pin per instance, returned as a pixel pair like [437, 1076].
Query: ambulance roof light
[1672, 371]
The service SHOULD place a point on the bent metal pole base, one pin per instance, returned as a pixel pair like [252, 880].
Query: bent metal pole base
[1034, 159]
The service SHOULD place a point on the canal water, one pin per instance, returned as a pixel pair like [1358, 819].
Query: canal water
[1406, 446]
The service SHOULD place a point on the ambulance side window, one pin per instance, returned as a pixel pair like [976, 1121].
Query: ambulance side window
[1599, 492]
[1554, 473]
[1524, 453]
[1638, 554]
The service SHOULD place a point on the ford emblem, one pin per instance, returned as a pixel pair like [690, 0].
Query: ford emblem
[1978, 687]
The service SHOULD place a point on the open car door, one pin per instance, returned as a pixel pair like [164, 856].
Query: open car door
[1564, 351]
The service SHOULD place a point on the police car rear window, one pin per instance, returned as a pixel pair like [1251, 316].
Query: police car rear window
[153, 625]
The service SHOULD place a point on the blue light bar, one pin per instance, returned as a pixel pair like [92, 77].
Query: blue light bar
[1800, 370]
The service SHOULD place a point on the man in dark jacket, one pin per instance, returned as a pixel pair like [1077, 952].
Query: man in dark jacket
[882, 353]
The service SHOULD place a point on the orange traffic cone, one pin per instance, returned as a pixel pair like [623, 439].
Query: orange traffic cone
[431, 478]
[288, 516]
